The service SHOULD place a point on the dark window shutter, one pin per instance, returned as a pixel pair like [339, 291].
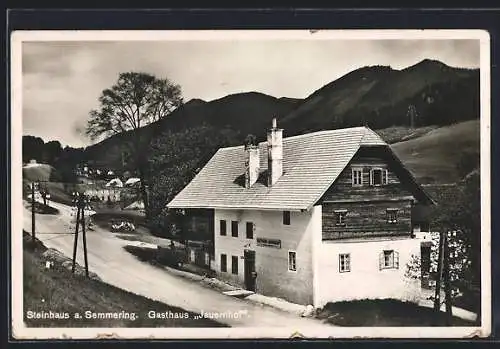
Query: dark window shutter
[396, 259]
[381, 260]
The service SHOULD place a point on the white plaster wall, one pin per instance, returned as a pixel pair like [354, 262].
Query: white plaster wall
[232, 246]
[273, 277]
[365, 280]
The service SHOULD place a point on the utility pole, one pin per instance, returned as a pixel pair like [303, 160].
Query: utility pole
[33, 211]
[80, 201]
[437, 296]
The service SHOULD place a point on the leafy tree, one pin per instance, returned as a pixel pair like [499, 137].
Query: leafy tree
[32, 148]
[460, 219]
[135, 100]
[52, 151]
[175, 158]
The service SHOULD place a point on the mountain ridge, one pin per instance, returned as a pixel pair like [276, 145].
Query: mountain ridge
[375, 96]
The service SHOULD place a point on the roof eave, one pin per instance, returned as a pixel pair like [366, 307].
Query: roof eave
[229, 207]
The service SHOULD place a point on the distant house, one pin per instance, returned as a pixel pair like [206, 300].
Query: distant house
[132, 182]
[315, 218]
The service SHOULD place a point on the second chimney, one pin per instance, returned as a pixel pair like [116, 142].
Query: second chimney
[252, 165]
[274, 153]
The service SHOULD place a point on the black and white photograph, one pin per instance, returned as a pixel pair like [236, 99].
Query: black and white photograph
[250, 184]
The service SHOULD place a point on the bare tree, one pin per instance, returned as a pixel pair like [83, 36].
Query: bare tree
[135, 100]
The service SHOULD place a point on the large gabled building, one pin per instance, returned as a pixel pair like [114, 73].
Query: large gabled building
[315, 218]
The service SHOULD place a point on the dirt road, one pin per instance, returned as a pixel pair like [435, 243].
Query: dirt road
[114, 265]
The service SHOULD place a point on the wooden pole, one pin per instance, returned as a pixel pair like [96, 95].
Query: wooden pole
[33, 211]
[437, 296]
[84, 239]
[446, 279]
[75, 245]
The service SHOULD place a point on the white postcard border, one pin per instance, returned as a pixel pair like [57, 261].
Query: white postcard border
[20, 331]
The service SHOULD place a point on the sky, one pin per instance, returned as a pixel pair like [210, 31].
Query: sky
[62, 80]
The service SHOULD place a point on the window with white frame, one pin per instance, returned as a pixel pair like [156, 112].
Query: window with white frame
[392, 215]
[357, 177]
[340, 217]
[344, 262]
[292, 261]
[378, 177]
[389, 259]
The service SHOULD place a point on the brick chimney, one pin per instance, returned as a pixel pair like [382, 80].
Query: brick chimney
[252, 164]
[275, 153]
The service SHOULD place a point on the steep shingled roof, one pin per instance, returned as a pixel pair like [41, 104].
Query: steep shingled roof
[311, 163]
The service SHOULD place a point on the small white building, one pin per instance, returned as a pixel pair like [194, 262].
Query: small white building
[316, 218]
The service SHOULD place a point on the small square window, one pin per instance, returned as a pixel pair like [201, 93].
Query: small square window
[292, 261]
[286, 217]
[222, 228]
[234, 265]
[340, 217]
[357, 176]
[223, 263]
[389, 259]
[392, 216]
[378, 177]
[234, 229]
[344, 262]
[250, 228]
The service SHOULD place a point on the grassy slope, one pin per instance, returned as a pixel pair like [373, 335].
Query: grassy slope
[58, 290]
[384, 313]
[39, 172]
[433, 157]
[397, 134]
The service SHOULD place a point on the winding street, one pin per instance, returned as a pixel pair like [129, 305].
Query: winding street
[108, 259]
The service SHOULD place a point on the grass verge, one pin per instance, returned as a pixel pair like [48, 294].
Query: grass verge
[384, 313]
[42, 209]
[52, 298]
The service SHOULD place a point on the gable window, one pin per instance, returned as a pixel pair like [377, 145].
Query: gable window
[234, 265]
[378, 177]
[292, 261]
[234, 229]
[389, 259]
[357, 177]
[340, 217]
[222, 228]
[223, 263]
[392, 215]
[344, 262]
[286, 217]
[250, 228]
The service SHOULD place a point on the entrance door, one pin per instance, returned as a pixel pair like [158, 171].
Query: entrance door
[250, 274]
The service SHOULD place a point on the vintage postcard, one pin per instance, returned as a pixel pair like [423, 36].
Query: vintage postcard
[250, 184]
